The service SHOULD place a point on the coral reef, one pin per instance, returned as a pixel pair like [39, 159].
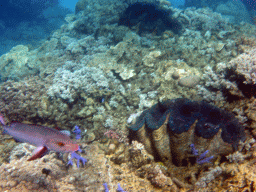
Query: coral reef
[234, 80]
[205, 19]
[70, 85]
[27, 176]
[207, 38]
[198, 177]
[93, 74]
[15, 63]
[50, 174]
[98, 13]
[26, 99]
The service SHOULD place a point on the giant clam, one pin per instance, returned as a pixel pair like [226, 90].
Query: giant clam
[168, 130]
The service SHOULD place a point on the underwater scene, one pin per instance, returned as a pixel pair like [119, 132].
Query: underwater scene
[128, 96]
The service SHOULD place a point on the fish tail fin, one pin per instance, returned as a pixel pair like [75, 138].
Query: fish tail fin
[38, 153]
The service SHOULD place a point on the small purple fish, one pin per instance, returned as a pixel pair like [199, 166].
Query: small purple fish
[44, 138]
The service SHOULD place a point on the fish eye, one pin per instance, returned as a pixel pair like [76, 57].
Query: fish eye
[60, 144]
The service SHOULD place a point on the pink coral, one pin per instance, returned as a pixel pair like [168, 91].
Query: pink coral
[111, 134]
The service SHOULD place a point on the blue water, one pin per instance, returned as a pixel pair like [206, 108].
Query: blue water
[29, 21]
[70, 4]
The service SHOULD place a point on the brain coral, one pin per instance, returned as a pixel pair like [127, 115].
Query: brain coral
[168, 130]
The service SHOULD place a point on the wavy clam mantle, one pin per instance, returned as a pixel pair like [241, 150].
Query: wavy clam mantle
[168, 129]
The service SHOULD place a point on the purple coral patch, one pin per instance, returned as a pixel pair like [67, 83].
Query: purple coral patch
[77, 131]
[119, 188]
[106, 187]
[74, 155]
[200, 159]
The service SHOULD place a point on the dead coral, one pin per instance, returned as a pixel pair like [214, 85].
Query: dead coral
[21, 175]
[209, 176]
[138, 155]
[241, 177]
[245, 65]
[236, 78]
[246, 43]
[25, 99]
[157, 175]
